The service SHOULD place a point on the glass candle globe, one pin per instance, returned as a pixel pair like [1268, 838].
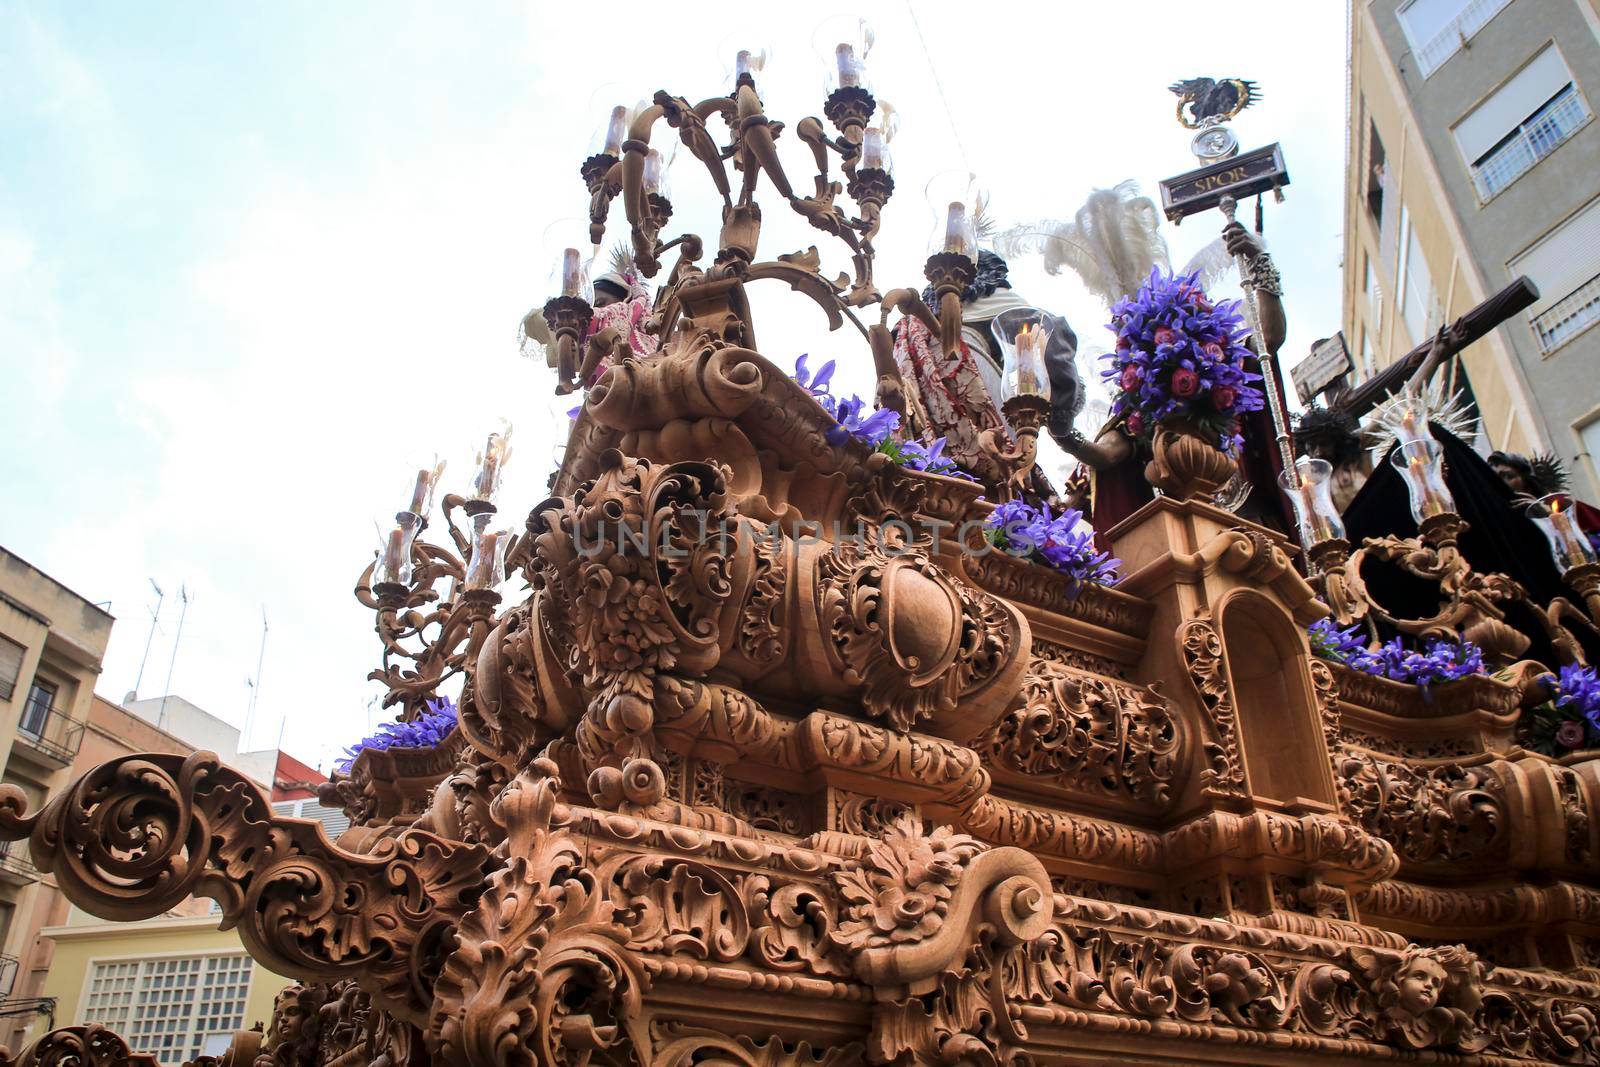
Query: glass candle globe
[842, 43]
[1023, 334]
[487, 567]
[1312, 498]
[744, 57]
[1420, 463]
[875, 150]
[571, 258]
[491, 467]
[1569, 546]
[955, 202]
[394, 551]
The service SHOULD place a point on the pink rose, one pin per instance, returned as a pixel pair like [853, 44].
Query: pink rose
[1136, 424]
[1165, 335]
[1214, 351]
[1130, 376]
[1570, 734]
[1185, 382]
[1224, 397]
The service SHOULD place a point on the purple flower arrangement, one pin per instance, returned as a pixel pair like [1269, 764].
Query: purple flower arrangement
[425, 731]
[1060, 542]
[1178, 355]
[1570, 719]
[1441, 661]
[876, 427]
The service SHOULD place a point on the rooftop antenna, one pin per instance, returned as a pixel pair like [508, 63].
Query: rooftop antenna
[183, 595]
[155, 620]
[255, 683]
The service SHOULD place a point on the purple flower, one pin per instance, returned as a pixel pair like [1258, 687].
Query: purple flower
[914, 455]
[1330, 642]
[873, 428]
[1439, 662]
[817, 386]
[426, 731]
[573, 413]
[1062, 542]
[1577, 692]
[1179, 355]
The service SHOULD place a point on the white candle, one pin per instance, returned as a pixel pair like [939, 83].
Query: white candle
[873, 153]
[849, 70]
[571, 273]
[955, 228]
[616, 130]
[419, 495]
[393, 556]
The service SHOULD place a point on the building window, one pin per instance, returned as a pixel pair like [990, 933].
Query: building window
[1525, 120]
[11, 655]
[41, 700]
[1416, 294]
[1437, 29]
[1377, 173]
[1565, 265]
[176, 1008]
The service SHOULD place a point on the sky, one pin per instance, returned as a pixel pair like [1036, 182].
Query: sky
[260, 263]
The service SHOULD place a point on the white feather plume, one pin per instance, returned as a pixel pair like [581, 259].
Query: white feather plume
[1112, 242]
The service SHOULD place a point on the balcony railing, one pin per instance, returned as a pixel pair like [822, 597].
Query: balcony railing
[51, 733]
[1569, 316]
[1549, 127]
[14, 858]
[1447, 42]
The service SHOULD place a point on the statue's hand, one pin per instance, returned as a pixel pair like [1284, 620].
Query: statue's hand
[1240, 241]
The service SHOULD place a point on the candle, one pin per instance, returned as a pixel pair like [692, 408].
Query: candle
[616, 130]
[849, 70]
[571, 273]
[955, 228]
[482, 561]
[874, 155]
[1571, 544]
[393, 556]
[1431, 504]
[1029, 345]
[489, 464]
[743, 64]
[419, 495]
[1314, 518]
[653, 168]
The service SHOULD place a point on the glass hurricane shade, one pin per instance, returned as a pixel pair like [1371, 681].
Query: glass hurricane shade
[1420, 463]
[955, 201]
[875, 150]
[394, 552]
[487, 567]
[842, 43]
[491, 465]
[1569, 545]
[1312, 498]
[1023, 333]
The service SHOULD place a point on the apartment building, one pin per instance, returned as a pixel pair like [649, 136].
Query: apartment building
[1472, 160]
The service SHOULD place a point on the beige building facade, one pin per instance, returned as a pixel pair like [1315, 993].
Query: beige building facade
[1473, 159]
[174, 985]
[52, 641]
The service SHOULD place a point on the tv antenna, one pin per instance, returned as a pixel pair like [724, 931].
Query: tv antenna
[255, 683]
[183, 595]
[155, 622]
